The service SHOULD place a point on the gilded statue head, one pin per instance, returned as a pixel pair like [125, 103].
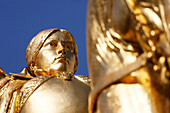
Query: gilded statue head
[52, 49]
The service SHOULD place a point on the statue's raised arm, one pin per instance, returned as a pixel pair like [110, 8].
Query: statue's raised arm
[128, 46]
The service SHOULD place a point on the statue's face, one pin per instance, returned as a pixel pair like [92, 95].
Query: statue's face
[57, 53]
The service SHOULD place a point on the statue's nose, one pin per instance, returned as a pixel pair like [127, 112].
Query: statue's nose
[61, 49]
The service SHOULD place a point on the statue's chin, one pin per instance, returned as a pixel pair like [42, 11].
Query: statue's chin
[59, 67]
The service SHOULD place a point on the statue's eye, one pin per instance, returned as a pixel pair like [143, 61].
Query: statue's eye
[53, 44]
[69, 46]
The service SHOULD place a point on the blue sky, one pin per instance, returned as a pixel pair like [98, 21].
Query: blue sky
[21, 20]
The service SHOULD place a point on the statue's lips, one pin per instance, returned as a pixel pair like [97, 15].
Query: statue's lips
[61, 59]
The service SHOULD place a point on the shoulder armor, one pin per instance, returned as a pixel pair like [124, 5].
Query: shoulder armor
[28, 88]
[9, 89]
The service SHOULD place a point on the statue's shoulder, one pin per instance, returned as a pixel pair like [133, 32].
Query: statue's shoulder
[3, 74]
[28, 89]
[9, 90]
[16, 89]
[4, 81]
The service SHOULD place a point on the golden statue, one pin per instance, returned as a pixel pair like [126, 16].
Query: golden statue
[128, 46]
[48, 84]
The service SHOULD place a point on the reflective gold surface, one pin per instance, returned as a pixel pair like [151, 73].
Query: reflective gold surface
[57, 53]
[37, 44]
[128, 45]
[48, 84]
[61, 97]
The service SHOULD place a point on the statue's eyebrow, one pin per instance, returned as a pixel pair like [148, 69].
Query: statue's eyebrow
[49, 41]
[55, 41]
[67, 41]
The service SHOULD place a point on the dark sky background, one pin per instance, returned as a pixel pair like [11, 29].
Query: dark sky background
[21, 20]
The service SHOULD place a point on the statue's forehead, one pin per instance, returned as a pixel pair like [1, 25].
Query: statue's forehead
[59, 36]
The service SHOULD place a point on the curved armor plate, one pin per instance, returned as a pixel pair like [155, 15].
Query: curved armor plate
[58, 96]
